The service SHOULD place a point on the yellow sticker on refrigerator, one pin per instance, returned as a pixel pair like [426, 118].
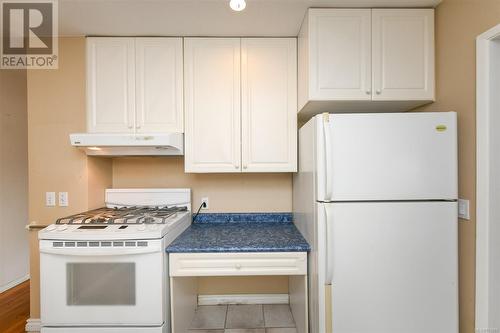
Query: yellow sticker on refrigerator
[441, 128]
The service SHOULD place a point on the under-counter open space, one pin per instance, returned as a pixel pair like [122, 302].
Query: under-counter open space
[188, 315]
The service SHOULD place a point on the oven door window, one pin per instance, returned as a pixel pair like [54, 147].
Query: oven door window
[100, 283]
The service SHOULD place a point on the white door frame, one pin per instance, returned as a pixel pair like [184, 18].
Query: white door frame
[483, 206]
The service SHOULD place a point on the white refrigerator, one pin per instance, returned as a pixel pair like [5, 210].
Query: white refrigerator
[376, 197]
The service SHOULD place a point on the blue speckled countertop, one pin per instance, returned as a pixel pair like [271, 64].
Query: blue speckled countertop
[248, 232]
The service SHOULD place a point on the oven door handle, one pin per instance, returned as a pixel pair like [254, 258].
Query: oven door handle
[99, 251]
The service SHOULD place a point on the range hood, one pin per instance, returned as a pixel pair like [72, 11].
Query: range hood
[96, 144]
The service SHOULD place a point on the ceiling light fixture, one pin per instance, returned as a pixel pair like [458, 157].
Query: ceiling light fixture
[237, 5]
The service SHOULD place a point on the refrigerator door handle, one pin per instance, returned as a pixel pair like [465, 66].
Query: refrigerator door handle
[329, 245]
[328, 157]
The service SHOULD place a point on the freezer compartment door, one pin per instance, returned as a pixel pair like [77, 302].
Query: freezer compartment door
[400, 156]
[392, 267]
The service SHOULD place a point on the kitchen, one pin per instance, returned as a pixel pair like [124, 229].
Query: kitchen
[57, 107]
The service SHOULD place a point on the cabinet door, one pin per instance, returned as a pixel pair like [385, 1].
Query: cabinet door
[110, 85]
[269, 104]
[403, 54]
[212, 102]
[159, 85]
[340, 54]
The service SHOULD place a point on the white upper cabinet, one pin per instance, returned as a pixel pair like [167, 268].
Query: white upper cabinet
[159, 91]
[269, 104]
[110, 85]
[403, 54]
[212, 101]
[340, 45]
[134, 85]
[241, 104]
[361, 60]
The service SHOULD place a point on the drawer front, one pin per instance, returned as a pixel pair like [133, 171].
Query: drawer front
[231, 264]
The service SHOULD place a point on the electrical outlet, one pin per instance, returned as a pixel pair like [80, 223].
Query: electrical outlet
[204, 200]
[463, 209]
[63, 199]
[50, 199]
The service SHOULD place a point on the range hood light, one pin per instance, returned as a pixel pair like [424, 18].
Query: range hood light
[237, 5]
[94, 148]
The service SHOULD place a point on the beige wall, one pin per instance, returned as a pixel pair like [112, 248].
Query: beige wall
[243, 285]
[56, 108]
[226, 192]
[458, 22]
[13, 177]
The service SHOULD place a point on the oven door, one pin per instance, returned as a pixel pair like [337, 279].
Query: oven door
[102, 283]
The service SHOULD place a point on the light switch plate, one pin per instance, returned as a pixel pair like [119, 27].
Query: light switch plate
[463, 209]
[50, 199]
[63, 199]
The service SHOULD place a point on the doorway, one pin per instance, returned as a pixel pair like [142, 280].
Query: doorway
[488, 182]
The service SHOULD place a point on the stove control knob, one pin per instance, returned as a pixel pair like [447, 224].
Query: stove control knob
[62, 227]
[141, 227]
[51, 227]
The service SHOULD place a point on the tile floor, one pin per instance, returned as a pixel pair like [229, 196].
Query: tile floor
[269, 318]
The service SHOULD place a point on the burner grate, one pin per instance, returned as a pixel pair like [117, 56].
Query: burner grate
[123, 215]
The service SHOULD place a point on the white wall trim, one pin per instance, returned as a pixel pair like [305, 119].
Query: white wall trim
[33, 325]
[243, 299]
[483, 177]
[14, 283]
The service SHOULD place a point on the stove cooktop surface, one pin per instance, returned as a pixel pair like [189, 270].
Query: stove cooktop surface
[119, 223]
[123, 215]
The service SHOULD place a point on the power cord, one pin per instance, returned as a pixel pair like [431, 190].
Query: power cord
[203, 205]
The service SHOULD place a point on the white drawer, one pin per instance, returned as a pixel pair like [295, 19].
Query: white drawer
[230, 264]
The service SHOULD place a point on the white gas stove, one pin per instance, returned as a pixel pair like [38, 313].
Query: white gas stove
[105, 270]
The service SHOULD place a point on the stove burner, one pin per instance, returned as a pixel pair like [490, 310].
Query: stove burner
[124, 215]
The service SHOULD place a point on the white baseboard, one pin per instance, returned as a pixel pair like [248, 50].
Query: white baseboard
[33, 325]
[243, 299]
[487, 330]
[14, 283]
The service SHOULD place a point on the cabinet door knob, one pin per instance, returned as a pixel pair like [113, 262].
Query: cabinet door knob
[236, 166]
[368, 92]
[244, 167]
[238, 266]
[378, 92]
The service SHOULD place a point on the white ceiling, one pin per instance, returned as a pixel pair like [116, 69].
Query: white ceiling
[198, 17]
